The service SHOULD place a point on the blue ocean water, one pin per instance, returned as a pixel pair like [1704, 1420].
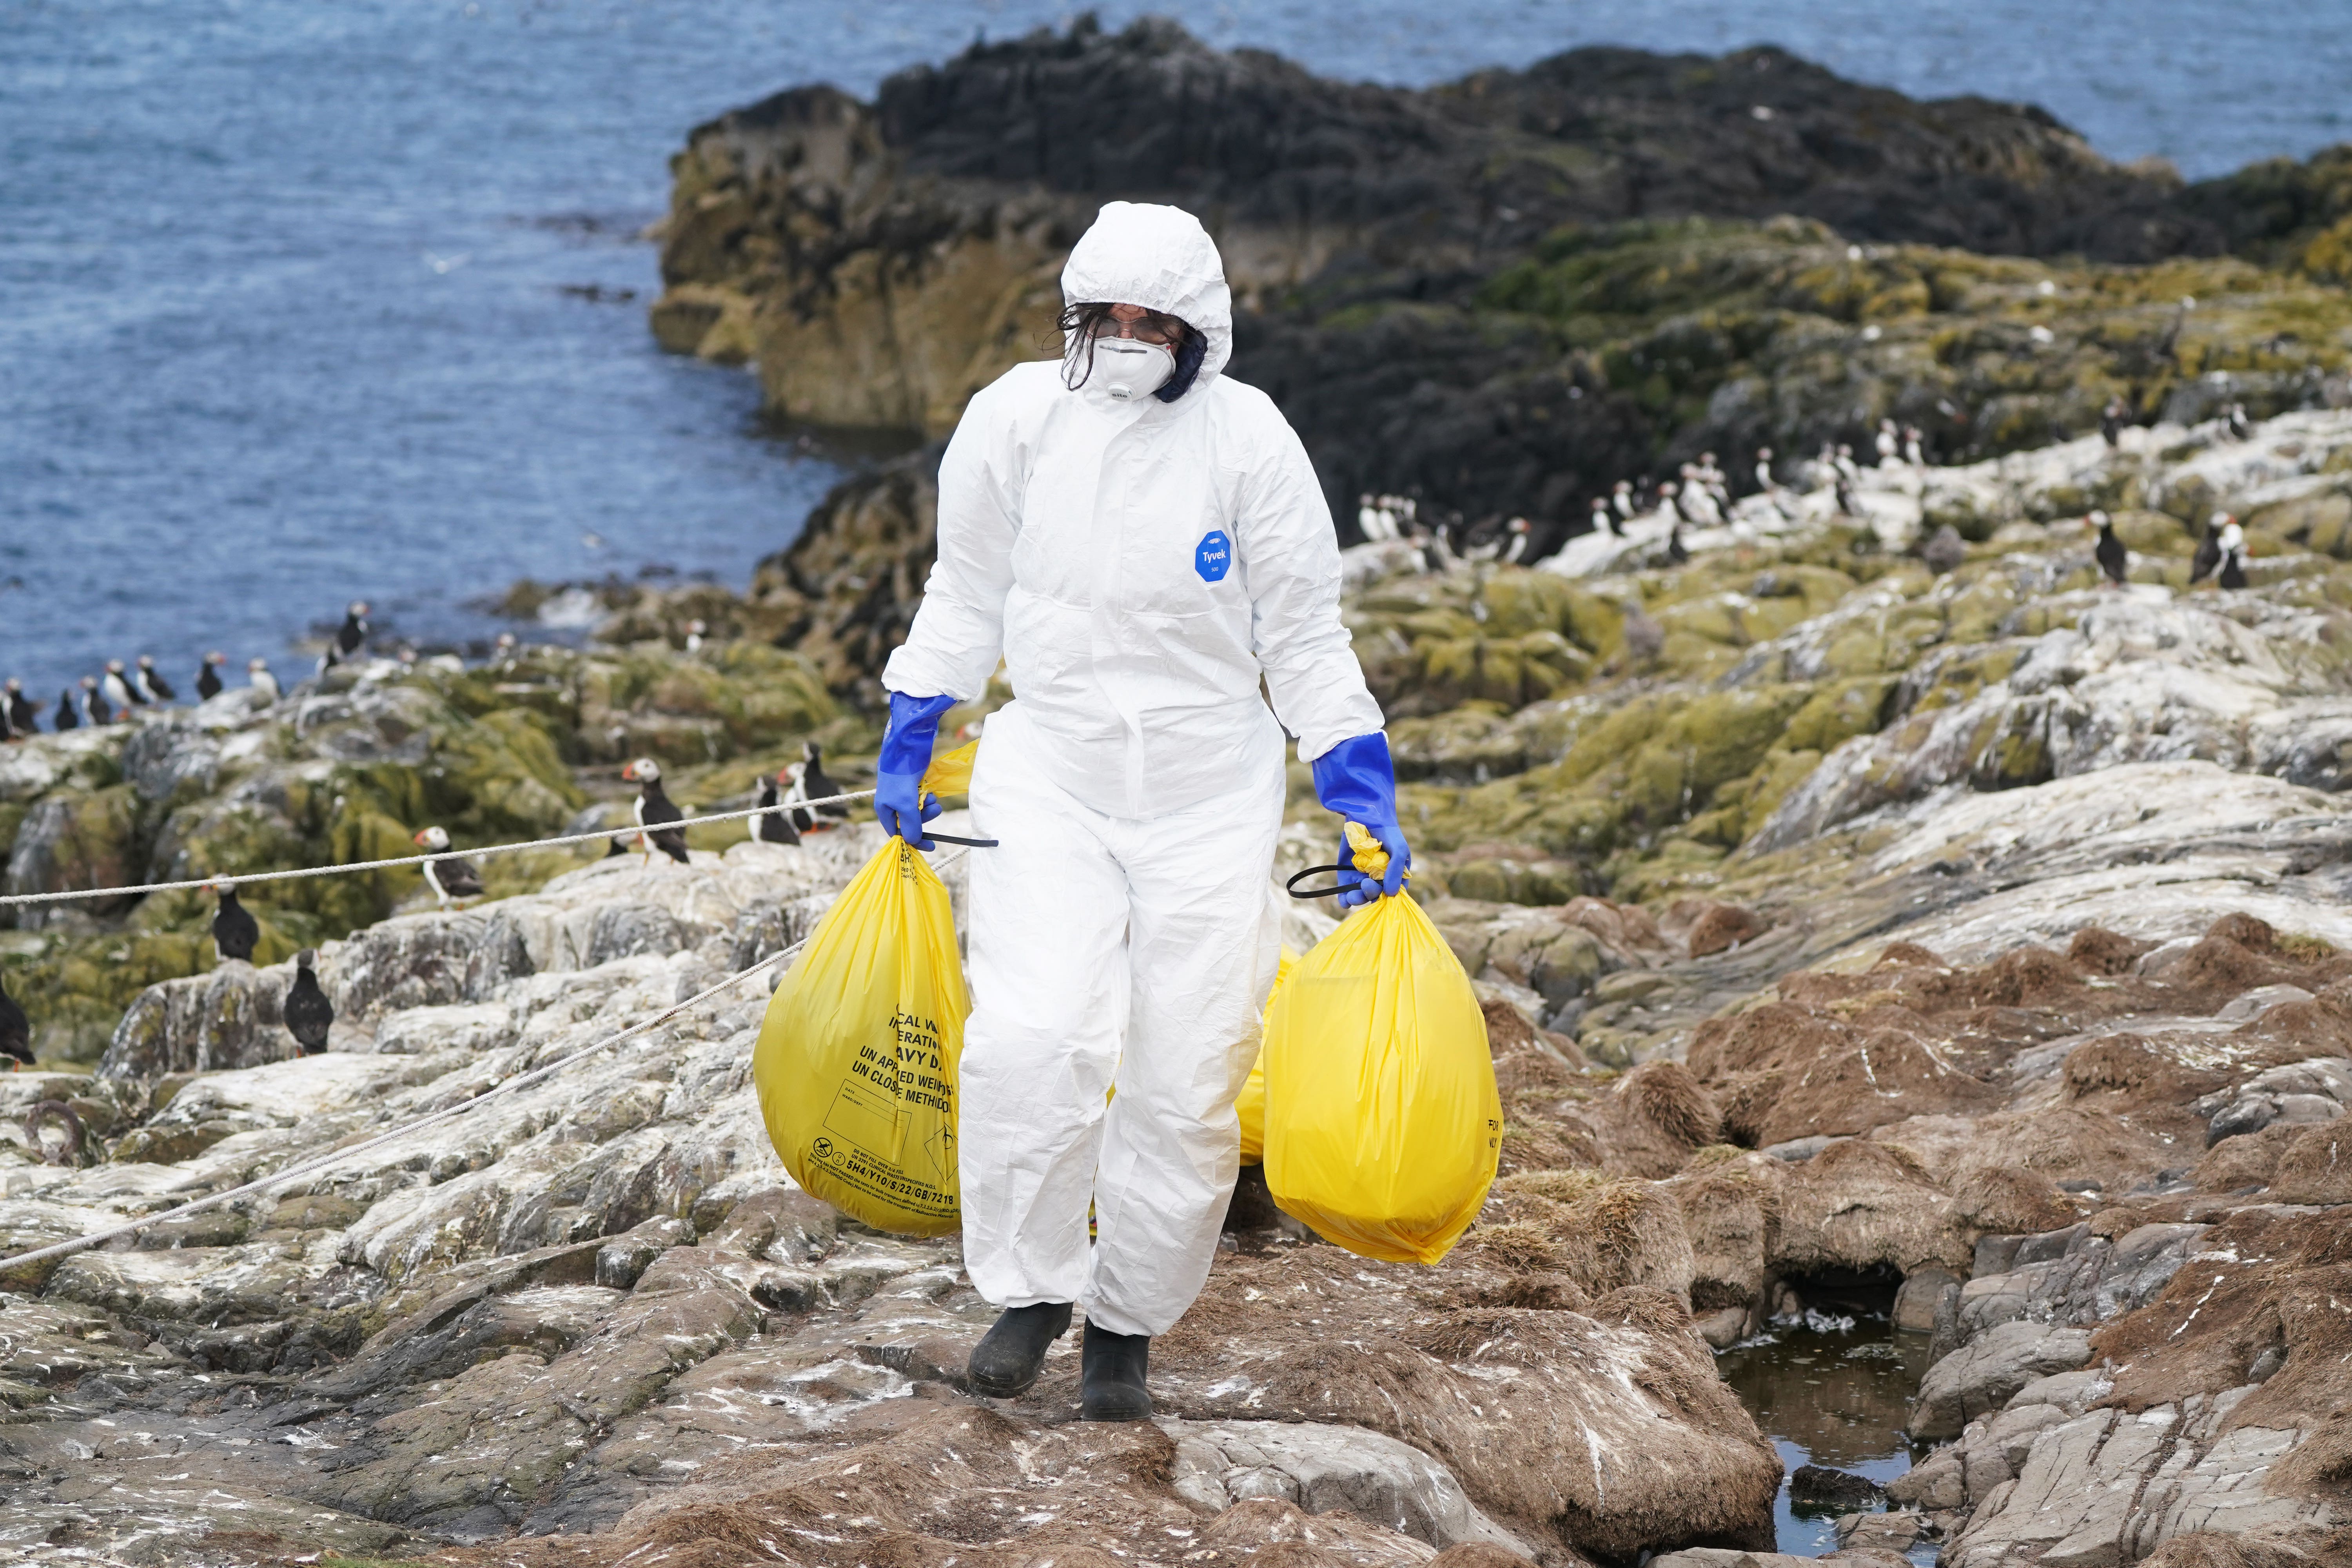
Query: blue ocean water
[303, 301]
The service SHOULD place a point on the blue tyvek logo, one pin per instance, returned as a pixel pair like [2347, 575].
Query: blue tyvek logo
[1213, 556]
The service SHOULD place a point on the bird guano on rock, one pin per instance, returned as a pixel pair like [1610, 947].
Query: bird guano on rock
[451, 877]
[652, 808]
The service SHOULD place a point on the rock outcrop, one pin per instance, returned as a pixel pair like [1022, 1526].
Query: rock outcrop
[1505, 293]
[579, 1312]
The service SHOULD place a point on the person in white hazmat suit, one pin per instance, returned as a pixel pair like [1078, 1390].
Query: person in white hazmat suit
[1141, 541]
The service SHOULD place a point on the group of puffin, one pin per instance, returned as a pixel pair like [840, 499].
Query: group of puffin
[796, 784]
[109, 698]
[307, 1014]
[2220, 553]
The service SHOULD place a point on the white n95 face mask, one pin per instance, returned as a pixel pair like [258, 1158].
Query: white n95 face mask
[1126, 369]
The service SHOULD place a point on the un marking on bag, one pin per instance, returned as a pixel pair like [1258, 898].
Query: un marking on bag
[1213, 556]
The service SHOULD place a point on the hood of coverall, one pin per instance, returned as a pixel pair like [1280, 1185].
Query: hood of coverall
[1160, 257]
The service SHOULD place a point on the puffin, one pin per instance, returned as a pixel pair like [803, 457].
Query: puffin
[94, 703]
[1764, 469]
[2112, 555]
[2233, 538]
[208, 680]
[2208, 550]
[1518, 528]
[22, 718]
[235, 930]
[1621, 500]
[66, 718]
[1603, 520]
[149, 682]
[653, 809]
[2240, 428]
[257, 676]
[2111, 421]
[348, 638]
[2233, 574]
[308, 1012]
[449, 875]
[1677, 551]
[16, 1032]
[775, 826]
[1889, 444]
[119, 695]
[810, 782]
[694, 630]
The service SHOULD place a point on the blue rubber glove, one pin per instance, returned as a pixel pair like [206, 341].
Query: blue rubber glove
[1356, 779]
[898, 798]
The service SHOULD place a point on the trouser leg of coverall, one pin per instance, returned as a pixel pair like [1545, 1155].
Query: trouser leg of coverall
[1100, 945]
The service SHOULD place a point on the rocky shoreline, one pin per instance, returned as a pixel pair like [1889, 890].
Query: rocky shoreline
[2041, 1045]
[1950, 935]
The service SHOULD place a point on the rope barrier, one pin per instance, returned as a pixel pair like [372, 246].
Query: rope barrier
[320, 1163]
[242, 877]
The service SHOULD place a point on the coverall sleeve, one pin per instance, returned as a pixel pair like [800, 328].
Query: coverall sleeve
[958, 636]
[1291, 560]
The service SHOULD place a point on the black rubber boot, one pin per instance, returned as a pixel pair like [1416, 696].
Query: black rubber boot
[1110, 1378]
[1005, 1362]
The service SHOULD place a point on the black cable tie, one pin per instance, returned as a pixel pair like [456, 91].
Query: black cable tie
[1291, 887]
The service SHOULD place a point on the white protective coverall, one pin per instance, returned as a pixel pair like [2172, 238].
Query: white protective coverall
[1138, 566]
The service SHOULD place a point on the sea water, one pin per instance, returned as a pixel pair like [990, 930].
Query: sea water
[304, 300]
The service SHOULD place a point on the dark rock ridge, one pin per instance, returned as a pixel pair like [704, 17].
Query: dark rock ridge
[1485, 292]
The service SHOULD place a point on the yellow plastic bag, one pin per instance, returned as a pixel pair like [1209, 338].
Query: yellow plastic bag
[857, 1061]
[951, 775]
[1382, 1126]
[1250, 1106]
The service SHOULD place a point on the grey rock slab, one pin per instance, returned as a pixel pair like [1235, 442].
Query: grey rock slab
[2248, 1005]
[460, 1027]
[2107, 1488]
[1979, 1376]
[2329, 1076]
[2070, 1277]
[1322, 1468]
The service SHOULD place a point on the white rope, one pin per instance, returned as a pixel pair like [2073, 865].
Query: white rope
[334, 1156]
[602, 832]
